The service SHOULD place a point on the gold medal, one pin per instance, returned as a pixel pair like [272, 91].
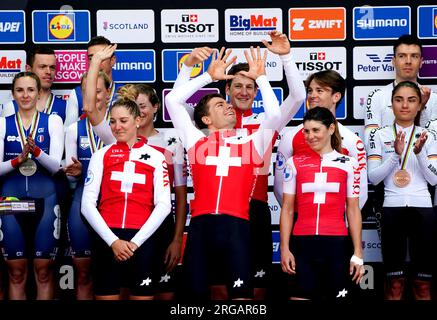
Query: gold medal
[401, 178]
[28, 168]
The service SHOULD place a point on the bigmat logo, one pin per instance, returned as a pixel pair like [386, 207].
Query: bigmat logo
[247, 25]
[273, 64]
[189, 25]
[427, 22]
[61, 27]
[126, 26]
[191, 101]
[71, 65]
[134, 66]
[373, 63]
[12, 27]
[308, 24]
[172, 60]
[429, 66]
[11, 62]
[381, 23]
[310, 60]
[361, 100]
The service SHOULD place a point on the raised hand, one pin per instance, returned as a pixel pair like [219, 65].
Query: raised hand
[22, 157]
[420, 142]
[217, 67]
[256, 62]
[104, 53]
[198, 55]
[426, 93]
[400, 142]
[280, 44]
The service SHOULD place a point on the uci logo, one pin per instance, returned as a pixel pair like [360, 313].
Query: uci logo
[13, 139]
[61, 26]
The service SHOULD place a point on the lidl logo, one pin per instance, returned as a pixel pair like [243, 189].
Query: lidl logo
[307, 24]
[12, 27]
[427, 22]
[172, 60]
[381, 23]
[61, 27]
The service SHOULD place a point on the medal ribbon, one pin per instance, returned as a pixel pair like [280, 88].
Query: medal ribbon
[408, 151]
[49, 104]
[95, 144]
[32, 129]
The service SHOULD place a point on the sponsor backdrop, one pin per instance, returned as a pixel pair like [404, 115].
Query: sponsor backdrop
[155, 38]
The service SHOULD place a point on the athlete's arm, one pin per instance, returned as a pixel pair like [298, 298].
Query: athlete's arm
[5, 166]
[71, 147]
[71, 109]
[52, 160]
[286, 220]
[377, 169]
[427, 155]
[8, 109]
[162, 201]
[372, 119]
[90, 196]
[104, 132]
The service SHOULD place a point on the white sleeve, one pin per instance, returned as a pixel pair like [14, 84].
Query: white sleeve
[179, 116]
[162, 201]
[179, 165]
[357, 150]
[372, 119]
[6, 166]
[71, 109]
[71, 146]
[104, 132]
[284, 152]
[297, 92]
[90, 195]
[427, 158]
[8, 109]
[262, 138]
[378, 170]
[184, 77]
[52, 161]
[289, 185]
[353, 184]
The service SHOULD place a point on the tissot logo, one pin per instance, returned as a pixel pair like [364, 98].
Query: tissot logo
[194, 25]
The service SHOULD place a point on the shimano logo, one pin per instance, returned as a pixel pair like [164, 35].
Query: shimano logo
[381, 23]
[133, 66]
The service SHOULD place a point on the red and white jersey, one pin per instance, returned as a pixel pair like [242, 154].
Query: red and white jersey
[168, 143]
[223, 164]
[248, 122]
[293, 143]
[321, 184]
[132, 186]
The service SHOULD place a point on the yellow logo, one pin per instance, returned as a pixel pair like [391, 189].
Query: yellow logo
[61, 26]
[197, 69]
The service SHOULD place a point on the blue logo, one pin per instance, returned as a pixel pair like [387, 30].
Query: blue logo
[134, 66]
[276, 258]
[381, 23]
[253, 23]
[172, 62]
[376, 58]
[257, 106]
[427, 22]
[61, 27]
[12, 27]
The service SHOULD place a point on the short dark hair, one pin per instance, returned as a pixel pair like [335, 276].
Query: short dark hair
[26, 74]
[407, 39]
[328, 78]
[38, 50]
[325, 116]
[236, 68]
[202, 109]
[98, 40]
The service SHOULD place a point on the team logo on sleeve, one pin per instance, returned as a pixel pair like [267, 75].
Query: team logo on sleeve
[84, 142]
[342, 159]
[287, 173]
[165, 177]
[89, 177]
[280, 161]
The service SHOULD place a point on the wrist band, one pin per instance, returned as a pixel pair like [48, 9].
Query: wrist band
[357, 260]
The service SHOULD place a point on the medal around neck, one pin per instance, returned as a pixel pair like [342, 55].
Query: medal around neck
[401, 178]
[28, 168]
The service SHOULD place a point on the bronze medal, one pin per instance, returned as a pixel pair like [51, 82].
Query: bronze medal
[401, 178]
